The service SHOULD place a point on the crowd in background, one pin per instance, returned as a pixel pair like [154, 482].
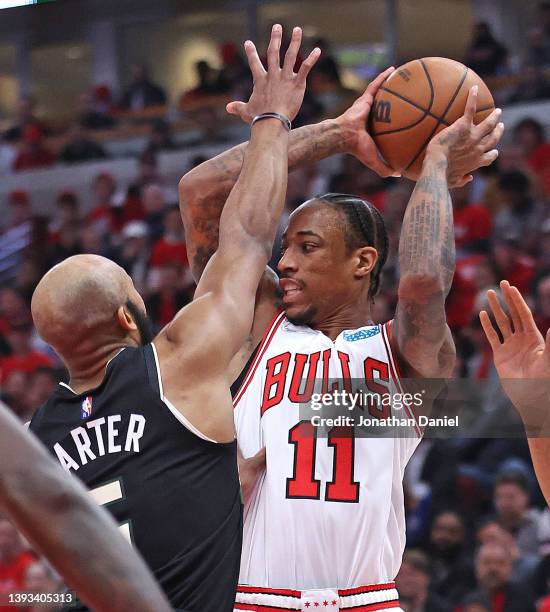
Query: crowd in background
[478, 535]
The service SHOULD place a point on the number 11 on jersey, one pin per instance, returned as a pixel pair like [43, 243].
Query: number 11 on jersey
[303, 484]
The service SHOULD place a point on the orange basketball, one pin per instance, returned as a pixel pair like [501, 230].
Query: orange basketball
[416, 102]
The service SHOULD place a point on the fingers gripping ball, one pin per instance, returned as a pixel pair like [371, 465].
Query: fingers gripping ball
[416, 102]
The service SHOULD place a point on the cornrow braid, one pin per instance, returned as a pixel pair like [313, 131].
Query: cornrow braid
[365, 227]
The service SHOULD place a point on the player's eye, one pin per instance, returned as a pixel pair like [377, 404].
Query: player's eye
[308, 247]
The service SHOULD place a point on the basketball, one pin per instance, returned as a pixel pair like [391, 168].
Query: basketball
[416, 102]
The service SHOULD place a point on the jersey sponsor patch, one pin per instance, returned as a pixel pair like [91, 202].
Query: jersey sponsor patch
[361, 334]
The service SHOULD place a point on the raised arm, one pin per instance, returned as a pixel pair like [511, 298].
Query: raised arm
[421, 337]
[196, 348]
[522, 360]
[204, 190]
[79, 538]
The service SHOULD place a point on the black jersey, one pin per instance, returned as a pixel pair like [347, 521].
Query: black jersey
[175, 494]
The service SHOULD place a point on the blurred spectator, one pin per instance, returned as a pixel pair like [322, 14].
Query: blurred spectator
[486, 55]
[208, 84]
[169, 295]
[161, 137]
[234, 77]
[25, 118]
[80, 148]
[476, 603]
[14, 393]
[14, 311]
[510, 262]
[41, 385]
[412, 583]
[170, 248]
[148, 171]
[326, 87]
[94, 109]
[472, 222]
[524, 565]
[33, 153]
[23, 357]
[142, 92]
[542, 305]
[65, 228]
[40, 577]
[134, 253]
[538, 40]
[103, 215]
[209, 126]
[92, 240]
[511, 501]
[452, 572]
[14, 563]
[529, 135]
[532, 85]
[493, 572]
[521, 215]
[16, 235]
[154, 205]
[67, 214]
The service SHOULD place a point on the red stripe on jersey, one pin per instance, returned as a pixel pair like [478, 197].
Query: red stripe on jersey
[266, 340]
[386, 329]
[387, 325]
[267, 591]
[394, 603]
[366, 589]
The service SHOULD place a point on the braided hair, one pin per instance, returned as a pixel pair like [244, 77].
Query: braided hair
[364, 227]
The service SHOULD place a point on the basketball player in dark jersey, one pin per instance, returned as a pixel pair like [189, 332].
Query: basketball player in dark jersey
[79, 539]
[148, 426]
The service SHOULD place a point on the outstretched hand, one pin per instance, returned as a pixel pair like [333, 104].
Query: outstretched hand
[467, 146]
[522, 357]
[277, 90]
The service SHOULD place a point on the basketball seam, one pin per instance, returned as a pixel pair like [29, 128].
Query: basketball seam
[441, 119]
[485, 108]
[411, 125]
[427, 112]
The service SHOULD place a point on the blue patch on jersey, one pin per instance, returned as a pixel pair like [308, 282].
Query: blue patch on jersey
[362, 334]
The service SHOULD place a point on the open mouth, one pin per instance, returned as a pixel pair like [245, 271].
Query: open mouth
[290, 288]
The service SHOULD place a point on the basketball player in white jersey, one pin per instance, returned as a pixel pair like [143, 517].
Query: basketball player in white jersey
[324, 526]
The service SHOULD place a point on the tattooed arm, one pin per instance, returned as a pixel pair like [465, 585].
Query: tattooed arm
[204, 190]
[422, 338]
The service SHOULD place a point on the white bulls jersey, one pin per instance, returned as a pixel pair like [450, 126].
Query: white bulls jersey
[329, 511]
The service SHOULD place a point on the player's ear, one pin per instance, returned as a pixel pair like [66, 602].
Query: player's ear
[125, 319]
[367, 257]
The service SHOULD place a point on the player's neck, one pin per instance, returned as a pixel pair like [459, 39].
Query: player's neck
[348, 316]
[86, 371]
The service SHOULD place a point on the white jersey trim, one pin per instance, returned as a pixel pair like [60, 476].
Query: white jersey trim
[262, 348]
[181, 418]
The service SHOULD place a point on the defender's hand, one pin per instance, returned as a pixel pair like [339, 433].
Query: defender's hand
[467, 146]
[249, 471]
[355, 119]
[279, 90]
[522, 359]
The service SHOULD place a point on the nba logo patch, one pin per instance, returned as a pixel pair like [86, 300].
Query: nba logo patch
[86, 407]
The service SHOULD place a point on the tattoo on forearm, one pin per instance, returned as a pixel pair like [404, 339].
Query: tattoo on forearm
[202, 211]
[427, 236]
[426, 247]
